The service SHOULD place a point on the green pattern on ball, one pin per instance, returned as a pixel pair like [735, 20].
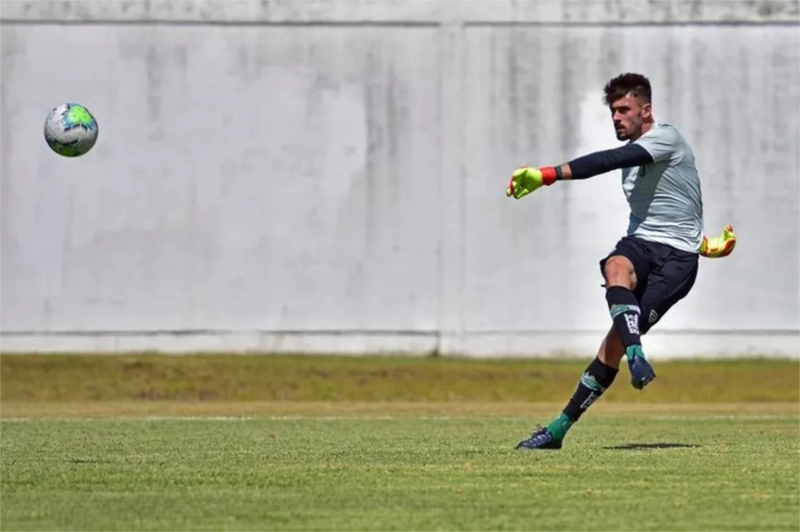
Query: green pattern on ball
[78, 114]
[70, 150]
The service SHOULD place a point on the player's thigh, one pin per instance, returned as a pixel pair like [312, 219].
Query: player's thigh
[666, 286]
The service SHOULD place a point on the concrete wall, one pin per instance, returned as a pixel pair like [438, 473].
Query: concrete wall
[329, 175]
[406, 12]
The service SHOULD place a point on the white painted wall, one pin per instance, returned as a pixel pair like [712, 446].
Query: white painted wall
[330, 175]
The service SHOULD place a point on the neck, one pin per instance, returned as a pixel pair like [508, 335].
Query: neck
[647, 126]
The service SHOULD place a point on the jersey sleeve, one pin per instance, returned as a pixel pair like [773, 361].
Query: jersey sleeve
[603, 161]
[660, 142]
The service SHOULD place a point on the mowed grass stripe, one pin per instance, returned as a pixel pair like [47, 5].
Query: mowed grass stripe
[377, 410]
[220, 378]
[617, 472]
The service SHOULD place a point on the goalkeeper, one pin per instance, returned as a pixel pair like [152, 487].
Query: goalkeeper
[655, 265]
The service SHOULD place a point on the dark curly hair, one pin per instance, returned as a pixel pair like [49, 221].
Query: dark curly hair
[629, 83]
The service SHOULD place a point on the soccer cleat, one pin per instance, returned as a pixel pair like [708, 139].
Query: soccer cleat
[541, 439]
[642, 372]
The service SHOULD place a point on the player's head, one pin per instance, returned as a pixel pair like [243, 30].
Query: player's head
[628, 97]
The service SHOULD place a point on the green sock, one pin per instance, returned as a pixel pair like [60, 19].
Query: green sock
[559, 426]
[634, 351]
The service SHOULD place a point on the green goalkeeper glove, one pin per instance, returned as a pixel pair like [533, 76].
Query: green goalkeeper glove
[719, 246]
[525, 180]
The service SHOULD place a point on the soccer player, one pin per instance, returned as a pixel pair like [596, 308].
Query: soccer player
[655, 265]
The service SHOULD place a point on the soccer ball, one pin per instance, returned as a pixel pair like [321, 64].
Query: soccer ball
[70, 130]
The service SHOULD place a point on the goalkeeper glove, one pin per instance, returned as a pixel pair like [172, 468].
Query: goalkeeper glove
[720, 246]
[525, 180]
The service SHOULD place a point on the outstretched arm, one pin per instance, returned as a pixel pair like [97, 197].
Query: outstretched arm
[525, 180]
[601, 162]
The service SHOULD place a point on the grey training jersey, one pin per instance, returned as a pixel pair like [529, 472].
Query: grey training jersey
[664, 196]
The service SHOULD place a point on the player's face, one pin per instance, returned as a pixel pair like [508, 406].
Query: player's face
[628, 115]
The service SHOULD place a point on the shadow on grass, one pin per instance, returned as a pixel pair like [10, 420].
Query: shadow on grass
[646, 446]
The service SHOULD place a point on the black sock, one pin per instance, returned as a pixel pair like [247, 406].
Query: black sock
[625, 312]
[594, 381]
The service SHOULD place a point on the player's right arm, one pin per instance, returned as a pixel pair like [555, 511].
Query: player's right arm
[656, 146]
[528, 179]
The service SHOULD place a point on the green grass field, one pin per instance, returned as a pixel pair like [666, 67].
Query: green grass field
[83, 449]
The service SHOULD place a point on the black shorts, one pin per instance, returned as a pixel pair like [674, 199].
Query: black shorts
[664, 275]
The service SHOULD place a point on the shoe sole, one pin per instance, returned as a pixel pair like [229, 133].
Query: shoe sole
[640, 385]
[537, 448]
[643, 380]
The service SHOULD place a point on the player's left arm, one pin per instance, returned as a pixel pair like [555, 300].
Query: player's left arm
[719, 246]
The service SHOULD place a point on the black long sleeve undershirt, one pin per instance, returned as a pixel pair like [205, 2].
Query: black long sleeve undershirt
[601, 162]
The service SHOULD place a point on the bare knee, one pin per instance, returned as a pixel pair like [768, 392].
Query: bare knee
[619, 271]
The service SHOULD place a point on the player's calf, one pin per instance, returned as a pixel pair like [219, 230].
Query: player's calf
[626, 314]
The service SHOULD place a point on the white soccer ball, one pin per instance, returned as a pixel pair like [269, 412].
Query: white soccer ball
[70, 130]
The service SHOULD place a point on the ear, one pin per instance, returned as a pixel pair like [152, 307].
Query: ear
[647, 110]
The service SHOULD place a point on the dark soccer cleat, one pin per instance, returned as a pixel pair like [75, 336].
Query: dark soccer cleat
[541, 439]
[642, 372]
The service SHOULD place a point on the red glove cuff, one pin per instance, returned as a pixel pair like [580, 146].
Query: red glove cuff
[549, 174]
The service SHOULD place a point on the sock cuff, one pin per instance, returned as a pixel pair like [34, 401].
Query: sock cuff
[617, 308]
[604, 375]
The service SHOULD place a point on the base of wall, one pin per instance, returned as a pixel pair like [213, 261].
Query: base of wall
[659, 345]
